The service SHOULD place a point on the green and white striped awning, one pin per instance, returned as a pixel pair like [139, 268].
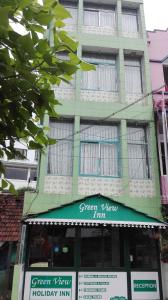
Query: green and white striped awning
[94, 211]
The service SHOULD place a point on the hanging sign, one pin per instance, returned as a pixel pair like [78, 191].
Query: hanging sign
[50, 285]
[145, 286]
[102, 285]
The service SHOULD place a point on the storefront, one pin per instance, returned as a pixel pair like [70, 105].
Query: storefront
[94, 248]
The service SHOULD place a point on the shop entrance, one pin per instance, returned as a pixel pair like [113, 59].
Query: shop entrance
[99, 262]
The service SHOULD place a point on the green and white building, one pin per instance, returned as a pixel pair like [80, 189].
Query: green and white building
[91, 229]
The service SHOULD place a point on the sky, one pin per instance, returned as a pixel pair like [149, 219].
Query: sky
[156, 14]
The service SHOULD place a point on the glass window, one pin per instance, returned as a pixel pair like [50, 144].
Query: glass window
[133, 76]
[143, 249]
[138, 156]
[40, 248]
[99, 16]
[33, 174]
[63, 247]
[99, 150]
[104, 78]
[16, 173]
[130, 21]
[60, 154]
[100, 248]
[51, 246]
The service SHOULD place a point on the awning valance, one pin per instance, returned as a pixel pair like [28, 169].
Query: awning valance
[93, 211]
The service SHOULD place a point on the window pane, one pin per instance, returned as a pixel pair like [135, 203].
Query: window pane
[91, 17]
[130, 22]
[91, 250]
[109, 160]
[112, 250]
[63, 247]
[107, 19]
[16, 173]
[107, 78]
[90, 80]
[33, 174]
[89, 158]
[143, 249]
[133, 82]
[138, 167]
[40, 246]
[60, 154]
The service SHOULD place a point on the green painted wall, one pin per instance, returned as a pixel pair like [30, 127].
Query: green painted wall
[89, 110]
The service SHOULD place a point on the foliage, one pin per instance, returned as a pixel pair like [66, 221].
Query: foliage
[31, 37]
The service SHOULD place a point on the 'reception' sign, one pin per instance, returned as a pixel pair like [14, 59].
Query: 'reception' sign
[145, 285]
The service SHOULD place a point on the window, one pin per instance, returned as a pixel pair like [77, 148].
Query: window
[16, 173]
[143, 249]
[138, 155]
[60, 154]
[99, 16]
[22, 152]
[33, 174]
[51, 246]
[133, 76]
[104, 78]
[100, 247]
[67, 247]
[130, 21]
[99, 151]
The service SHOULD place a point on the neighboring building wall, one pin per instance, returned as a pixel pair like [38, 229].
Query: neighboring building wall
[22, 172]
[158, 54]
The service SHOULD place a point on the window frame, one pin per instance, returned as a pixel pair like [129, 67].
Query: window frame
[98, 63]
[131, 12]
[115, 142]
[99, 10]
[147, 152]
[65, 140]
[140, 72]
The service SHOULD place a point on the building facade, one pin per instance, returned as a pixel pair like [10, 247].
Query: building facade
[90, 230]
[158, 55]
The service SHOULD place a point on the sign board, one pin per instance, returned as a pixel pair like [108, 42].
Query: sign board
[102, 285]
[50, 285]
[97, 209]
[145, 286]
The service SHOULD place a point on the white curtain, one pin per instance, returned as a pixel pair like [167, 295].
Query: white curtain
[107, 19]
[104, 78]
[107, 78]
[73, 12]
[60, 154]
[89, 158]
[137, 153]
[97, 156]
[90, 80]
[133, 77]
[129, 22]
[108, 159]
[91, 17]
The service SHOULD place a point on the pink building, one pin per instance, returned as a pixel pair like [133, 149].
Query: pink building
[158, 56]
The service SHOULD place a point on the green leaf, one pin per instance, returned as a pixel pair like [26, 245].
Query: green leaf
[86, 66]
[4, 184]
[4, 21]
[61, 12]
[59, 24]
[51, 141]
[33, 145]
[74, 58]
[12, 189]
[68, 41]
[43, 18]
